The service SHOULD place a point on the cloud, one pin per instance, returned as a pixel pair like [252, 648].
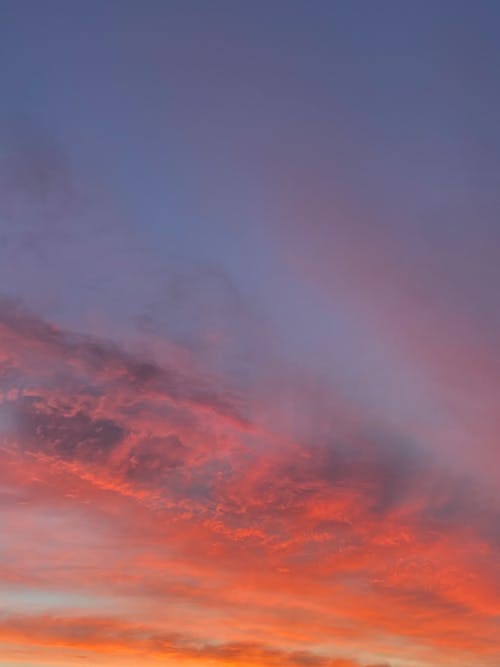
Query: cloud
[109, 363]
[70, 436]
[147, 481]
[110, 636]
[419, 297]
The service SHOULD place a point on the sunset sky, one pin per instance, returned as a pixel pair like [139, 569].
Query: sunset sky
[249, 333]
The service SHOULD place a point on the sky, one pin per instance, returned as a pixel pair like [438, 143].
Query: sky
[249, 333]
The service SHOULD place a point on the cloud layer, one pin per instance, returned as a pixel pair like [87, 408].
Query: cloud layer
[125, 475]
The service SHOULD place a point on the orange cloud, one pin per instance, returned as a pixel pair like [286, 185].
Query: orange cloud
[150, 491]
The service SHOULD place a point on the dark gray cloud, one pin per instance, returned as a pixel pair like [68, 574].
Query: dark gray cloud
[153, 459]
[44, 427]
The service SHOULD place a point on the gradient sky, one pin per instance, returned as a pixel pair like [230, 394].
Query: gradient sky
[249, 333]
